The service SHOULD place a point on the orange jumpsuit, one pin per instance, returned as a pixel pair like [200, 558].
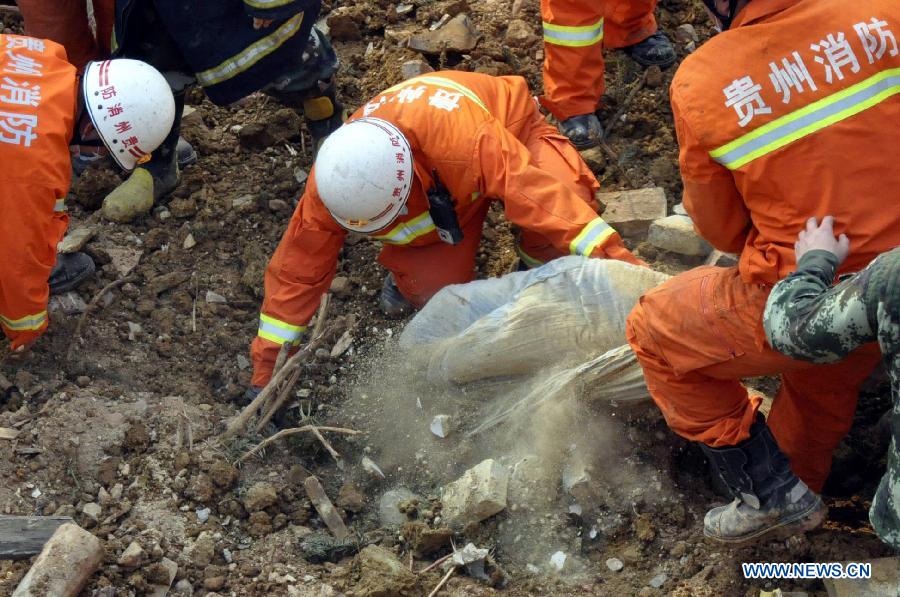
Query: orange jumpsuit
[794, 112]
[66, 23]
[486, 139]
[575, 32]
[37, 108]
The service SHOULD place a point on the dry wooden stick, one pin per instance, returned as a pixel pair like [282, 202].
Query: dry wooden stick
[239, 424]
[435, 564]
[443, 582]
[286, 390]
[334, 453]
[327, 512]
[282, 357]
[94, 301]
[294, 431]
[610, 123]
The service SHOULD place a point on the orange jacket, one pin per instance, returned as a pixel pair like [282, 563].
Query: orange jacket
[793, 113]
[467, 127]
[37, 107]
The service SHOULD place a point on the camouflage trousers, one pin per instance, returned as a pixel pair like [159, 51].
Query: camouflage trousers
[806, 318]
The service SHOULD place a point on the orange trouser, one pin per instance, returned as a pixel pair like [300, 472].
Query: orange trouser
[66, 22]
[697, 335]
[575, 31]
[421, 271]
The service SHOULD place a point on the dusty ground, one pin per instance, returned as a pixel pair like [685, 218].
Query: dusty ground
[130, 421]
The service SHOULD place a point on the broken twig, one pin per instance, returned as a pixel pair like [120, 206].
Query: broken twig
[612, 120]
[443, 582]
[94, 301]
[435, 564]
[294, 431]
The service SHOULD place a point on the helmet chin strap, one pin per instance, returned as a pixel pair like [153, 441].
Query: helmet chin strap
[725, 19]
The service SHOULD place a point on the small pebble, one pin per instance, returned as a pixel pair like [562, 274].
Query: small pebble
[614, 564]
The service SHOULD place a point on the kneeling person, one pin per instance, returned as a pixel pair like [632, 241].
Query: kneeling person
[416, 168]
[806, 318]
[41, 103]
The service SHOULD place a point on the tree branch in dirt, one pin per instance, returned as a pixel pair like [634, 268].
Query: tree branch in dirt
[443, 582]
[294, 431]
[94, 301]
[286, 390]
[435, 564]
[239, 424]
[325, 508]
[612, 120]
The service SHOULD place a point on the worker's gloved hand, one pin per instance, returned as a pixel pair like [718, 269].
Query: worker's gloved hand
[614, 248]
[818, 237]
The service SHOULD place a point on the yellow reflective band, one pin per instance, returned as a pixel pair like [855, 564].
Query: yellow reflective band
[575, 37]
[60, 205]
[406, 232]
[264, 4]
[279, 332]
[809, 119]
[590, 237]
[25, 324]
[239, 63]
[528, 259]
[440, 82]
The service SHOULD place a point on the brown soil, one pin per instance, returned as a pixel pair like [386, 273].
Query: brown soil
[131, 422]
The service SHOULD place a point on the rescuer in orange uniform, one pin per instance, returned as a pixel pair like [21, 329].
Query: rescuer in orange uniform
[131, 108]
[788, 114]
[66, 22]
[575, 33]
[383, 174]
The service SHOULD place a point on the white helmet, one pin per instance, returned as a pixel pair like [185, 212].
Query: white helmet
[364, 172]
[131, 106]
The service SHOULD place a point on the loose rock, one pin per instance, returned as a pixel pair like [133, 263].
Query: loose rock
[414, 68]
[389, 514]
[133, 556]
[478, 494]
[382, 574]
[614, 564]
[260, 496]
[677, 235]
[64, 566]
[632, 212]
[456, 36]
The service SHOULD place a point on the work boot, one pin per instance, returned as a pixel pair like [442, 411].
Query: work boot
[656, 50]
[583, 131]
[391, 301]
[71, 269]
[768, 495]
[185, 153]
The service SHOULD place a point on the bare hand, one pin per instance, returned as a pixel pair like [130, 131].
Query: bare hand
[16, 355]
[821, 237]
[262, 23]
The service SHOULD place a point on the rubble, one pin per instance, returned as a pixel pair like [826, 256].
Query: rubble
[478, 494]
[63, 567]
[558, 561]
[457, 35]
[382, 574]
[342, 24]
[76, 239]
[170, 570]
[440, 426]
[260, 496]
[614, 564]
[676, 234]
[414, 68]
[69, 303]
[325, 508]
[722, 259]
[519, 34]
[632, 212]
[133, 556]
[389, 514]
[658, 581]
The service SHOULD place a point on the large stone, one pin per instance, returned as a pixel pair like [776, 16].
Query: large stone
[64, 566]
[414, 68]
[132, 557]
[632, 212]
[676, 234]
[478, 494]
[722, 259]
[519, 34]
[456, 36]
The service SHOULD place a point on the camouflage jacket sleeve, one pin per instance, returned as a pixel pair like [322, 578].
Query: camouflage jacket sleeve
[807, 319]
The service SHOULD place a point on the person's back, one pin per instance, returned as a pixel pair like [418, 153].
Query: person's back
[793, 111]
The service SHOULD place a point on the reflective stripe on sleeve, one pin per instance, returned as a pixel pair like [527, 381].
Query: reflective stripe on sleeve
[576, 37]
[527, 259]
[808, 120]
[590, 237]
[278, 331]
[60, 205]
[257, 51]
[264, 4]
[25, 324]
[406, 232]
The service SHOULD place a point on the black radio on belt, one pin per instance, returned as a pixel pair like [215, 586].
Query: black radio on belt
[443, 212]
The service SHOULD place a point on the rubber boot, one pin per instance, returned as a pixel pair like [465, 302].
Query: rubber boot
[583, 131]
[768, 495]
[391, 301]
[70, 270]
[150, 181]
[656, 50]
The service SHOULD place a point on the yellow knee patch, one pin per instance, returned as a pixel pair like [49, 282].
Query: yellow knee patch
[318, 108]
